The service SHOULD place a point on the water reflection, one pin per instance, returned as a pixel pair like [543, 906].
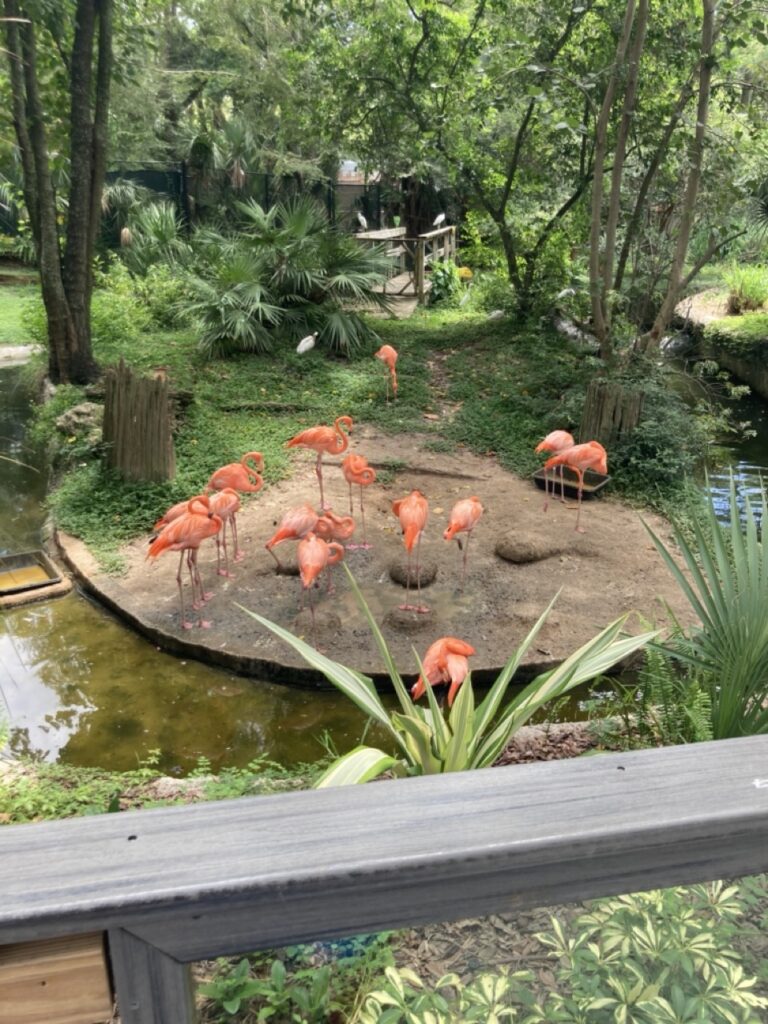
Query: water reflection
[747, 461]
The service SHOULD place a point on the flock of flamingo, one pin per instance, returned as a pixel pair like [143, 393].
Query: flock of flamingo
[322, 535]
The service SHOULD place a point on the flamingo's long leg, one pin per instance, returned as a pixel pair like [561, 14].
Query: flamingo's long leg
[464, 561]
[184, 623]
[580, 472]
[239, 555]
[202, 623]
[319, 471]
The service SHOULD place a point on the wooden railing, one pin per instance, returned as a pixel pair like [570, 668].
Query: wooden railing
[179, 884]
[413, 257]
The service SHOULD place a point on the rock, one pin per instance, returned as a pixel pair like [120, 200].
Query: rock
[83, 419]
[409, 622]
[398, 571]
[518, 549]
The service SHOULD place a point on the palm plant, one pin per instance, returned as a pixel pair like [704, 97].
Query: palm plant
[427, 741]
[726, 585]
[156, 237]
[316, 279]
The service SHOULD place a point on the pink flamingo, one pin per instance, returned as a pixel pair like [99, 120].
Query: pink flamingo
[324, 439]
[313, 555]
[295, 524]
[357, 471]
[444, 662]
[557, 441]
[185, 534]
[242, 477]
[226, 504]
[580, 458]
[413, 512]
[464, 518]
[388, 355]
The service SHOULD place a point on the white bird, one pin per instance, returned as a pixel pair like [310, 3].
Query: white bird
[362, 221]
[497, 314]
[306, 343]
[439, 219]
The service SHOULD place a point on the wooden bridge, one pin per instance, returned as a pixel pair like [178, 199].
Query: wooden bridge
[412, 258]
[169, 886]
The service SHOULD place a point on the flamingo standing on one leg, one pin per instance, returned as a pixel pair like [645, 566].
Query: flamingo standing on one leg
[324, 439]
[580, 458]
[313, 555]
[464, 518]
[240, 476]
[185, 534]
[444, 662]
[295, 524]
[388, 355]
[226, 504]
[357, 471]
[413, 513]
[557, 441]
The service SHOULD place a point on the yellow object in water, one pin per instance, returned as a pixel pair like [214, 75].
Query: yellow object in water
[24, 576]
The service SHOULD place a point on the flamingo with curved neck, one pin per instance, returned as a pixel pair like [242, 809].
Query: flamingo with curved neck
[332, 440]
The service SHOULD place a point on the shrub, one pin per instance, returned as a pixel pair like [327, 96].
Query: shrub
[165, 294]
[748, 287]
[493, 291]
[480, 246]
[446, 283]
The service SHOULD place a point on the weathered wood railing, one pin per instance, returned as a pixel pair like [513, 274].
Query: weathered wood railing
[174, 885]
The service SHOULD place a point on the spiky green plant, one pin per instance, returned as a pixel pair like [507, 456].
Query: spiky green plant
[426, 739]
[725, 581]
[156, 237]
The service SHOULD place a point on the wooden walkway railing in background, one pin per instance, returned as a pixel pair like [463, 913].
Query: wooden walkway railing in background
[413, 257]
[175, 885]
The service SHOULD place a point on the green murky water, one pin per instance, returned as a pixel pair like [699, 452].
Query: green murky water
[78, 686]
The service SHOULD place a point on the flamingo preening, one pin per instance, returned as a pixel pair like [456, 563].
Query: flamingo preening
[557, 441]
[580, 458]
[388, 355]
[324, 439]
[413, 512]
[314, 555]
[444, 662]
[357, 471]
[240, 476]
[185, 534]
[464, 517]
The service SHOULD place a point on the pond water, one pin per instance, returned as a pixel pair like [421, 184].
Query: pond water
[78, 686]
[746, 459]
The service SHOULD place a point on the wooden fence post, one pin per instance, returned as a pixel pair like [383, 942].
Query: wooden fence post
[609, 410]
[137, 425]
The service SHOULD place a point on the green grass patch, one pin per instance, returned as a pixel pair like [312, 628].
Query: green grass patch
[743, 335]
[12, 300]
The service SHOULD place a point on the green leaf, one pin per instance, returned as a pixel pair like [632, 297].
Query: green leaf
[360, 765]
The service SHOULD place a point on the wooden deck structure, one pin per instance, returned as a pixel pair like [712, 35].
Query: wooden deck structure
[412, 258]
[179, 884]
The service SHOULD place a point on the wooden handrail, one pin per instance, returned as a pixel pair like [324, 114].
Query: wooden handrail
[178, 884]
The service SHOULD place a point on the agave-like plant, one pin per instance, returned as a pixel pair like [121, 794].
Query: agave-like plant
[726, 585]
[427, 741]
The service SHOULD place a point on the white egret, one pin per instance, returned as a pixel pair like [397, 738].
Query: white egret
[306, 343]
[439, 220]
[362, 221]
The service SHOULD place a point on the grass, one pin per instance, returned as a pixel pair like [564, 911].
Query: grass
[744, 335]
[12, 298]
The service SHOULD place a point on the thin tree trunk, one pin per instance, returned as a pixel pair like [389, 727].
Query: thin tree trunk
[16, 71]
[597, 297]
[619, 153]
[653, 337]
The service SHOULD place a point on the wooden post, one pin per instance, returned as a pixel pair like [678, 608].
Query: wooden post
[609, 411]
[152, 987]
[137, 425]
[419, 270]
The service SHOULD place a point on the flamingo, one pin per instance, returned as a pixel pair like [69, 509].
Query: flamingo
[388, 355]
[444, 662]
[313, 555]
[239, 475]
[324, 439]
[295, 524]
[357, 471]
[579, 458]
[557, 441]
[464, 517]
[413, 512]
[333, 527]
[226, 505]
[185, 534]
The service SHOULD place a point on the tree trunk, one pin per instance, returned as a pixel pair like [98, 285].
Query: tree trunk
[600, 319]
[652, 338]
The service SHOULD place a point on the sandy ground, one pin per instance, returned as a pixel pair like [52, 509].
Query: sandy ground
[607, 571]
